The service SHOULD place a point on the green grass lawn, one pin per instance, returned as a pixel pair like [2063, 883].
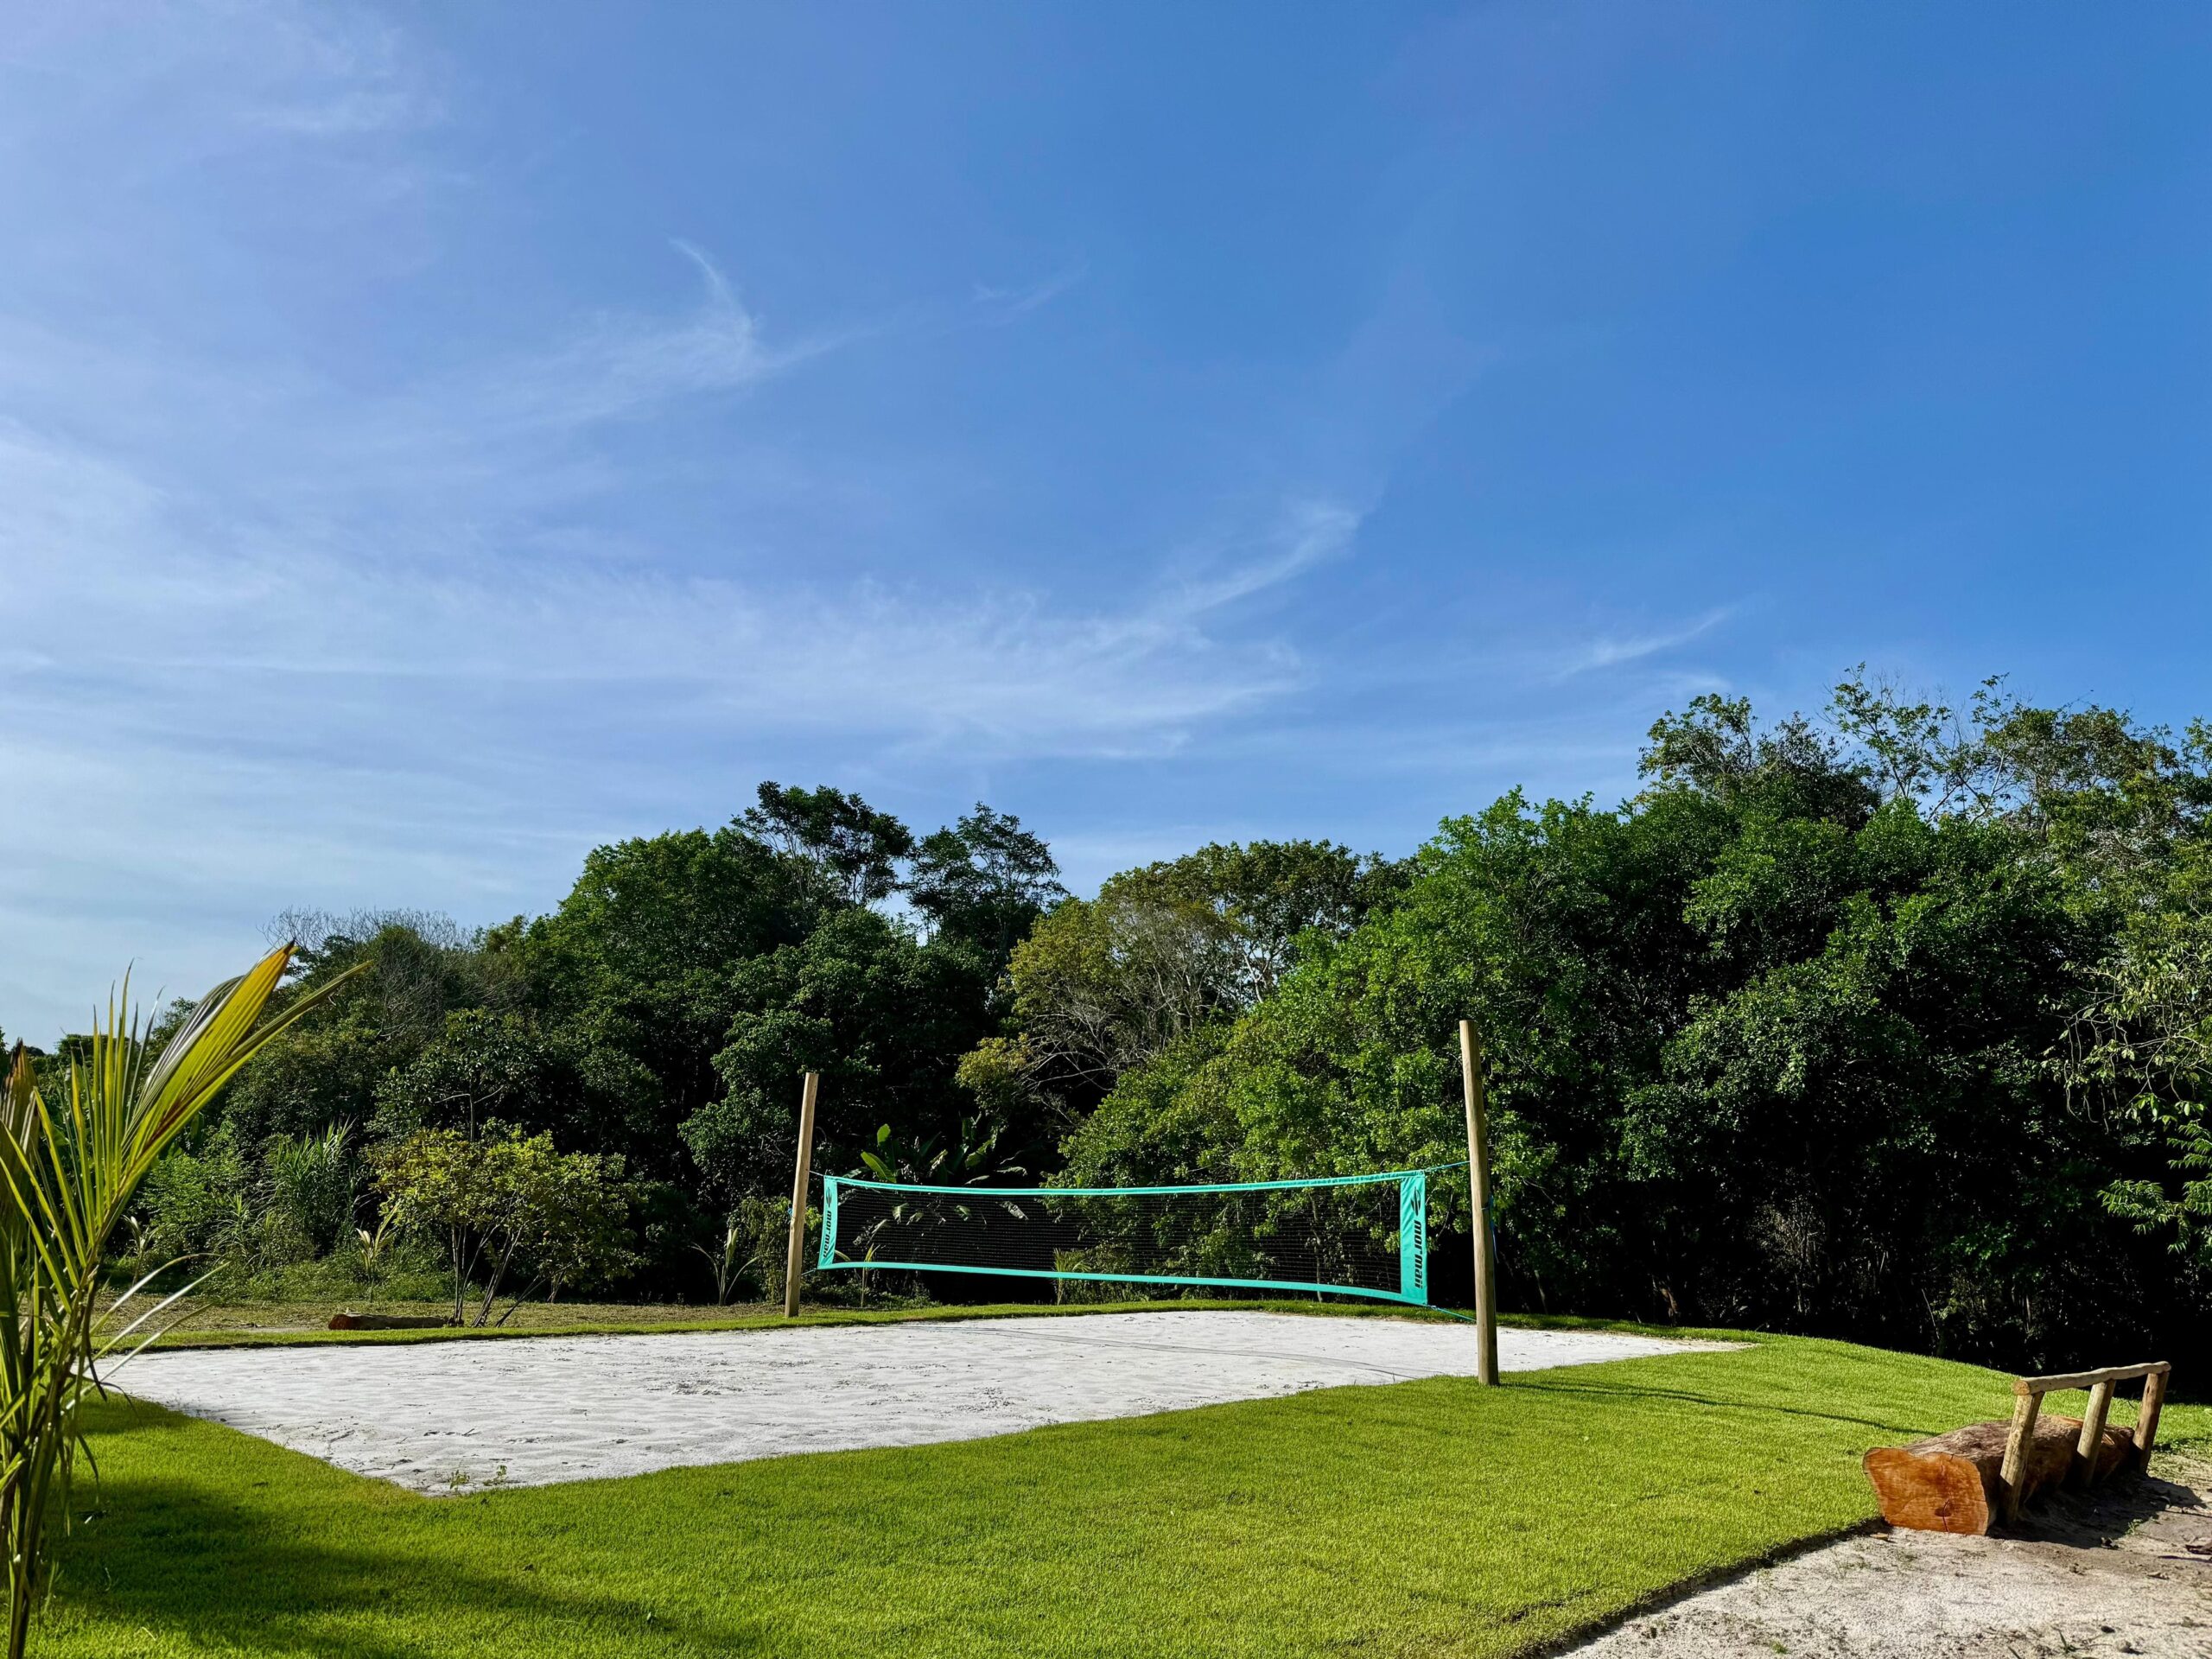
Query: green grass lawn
[1427, 1517]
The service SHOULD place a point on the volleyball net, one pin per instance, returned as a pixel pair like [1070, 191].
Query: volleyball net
[1347, 1236]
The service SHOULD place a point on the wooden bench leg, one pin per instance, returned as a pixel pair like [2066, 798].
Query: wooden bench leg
[2013, 1473]
[2089, 1449]
[2147, 1420]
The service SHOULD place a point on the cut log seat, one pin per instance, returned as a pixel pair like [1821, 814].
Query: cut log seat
[1952, 1484]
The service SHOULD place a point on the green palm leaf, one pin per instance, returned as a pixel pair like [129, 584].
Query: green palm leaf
[68, 1171]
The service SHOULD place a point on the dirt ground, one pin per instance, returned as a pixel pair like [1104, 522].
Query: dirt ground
[2126, 1569]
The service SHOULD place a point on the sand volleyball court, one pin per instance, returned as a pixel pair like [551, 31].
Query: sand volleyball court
[457, 1416]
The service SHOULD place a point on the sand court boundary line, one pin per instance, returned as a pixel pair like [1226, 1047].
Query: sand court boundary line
[450, 1417]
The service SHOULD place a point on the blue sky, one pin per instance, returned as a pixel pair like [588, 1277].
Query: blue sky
[435, 440]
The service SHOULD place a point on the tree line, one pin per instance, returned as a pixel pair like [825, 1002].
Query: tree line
[1888, 1022]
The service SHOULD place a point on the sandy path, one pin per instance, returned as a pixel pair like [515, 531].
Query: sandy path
[441, 1416]
[2124, 1570]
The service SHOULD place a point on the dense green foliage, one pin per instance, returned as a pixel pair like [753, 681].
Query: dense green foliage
[1422, 1517]
[653, 1025]
[507, 1205]
[1892, 1024]
[1828, 1030]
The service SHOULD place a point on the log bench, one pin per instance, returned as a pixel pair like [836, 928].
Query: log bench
[1965, 1480]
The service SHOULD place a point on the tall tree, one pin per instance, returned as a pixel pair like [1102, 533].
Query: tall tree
[638, 957]
[857, 850]
[1102, 985]
[882, 1015]
[985, 881]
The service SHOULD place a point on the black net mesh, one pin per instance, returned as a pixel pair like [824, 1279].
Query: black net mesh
[1336, 1236]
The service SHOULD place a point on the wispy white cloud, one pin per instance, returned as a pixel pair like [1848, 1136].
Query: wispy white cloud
[1005, 304]
[124, 96]
[1615, 650]
[222, 723]
[1008, 672]
[504, 422]
[296, 621]
[283, 634]
[1305, 533]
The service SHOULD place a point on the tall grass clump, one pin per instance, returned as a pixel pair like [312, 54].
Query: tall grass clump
[73, 1151]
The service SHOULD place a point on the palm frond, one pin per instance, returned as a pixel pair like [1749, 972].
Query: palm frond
[66, 1178]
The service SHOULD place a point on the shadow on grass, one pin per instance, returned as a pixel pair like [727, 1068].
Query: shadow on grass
[176, 1561]
[119, 1413]
[1685, 1396]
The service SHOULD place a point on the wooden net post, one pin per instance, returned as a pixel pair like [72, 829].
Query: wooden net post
[1471, 1069]
[794, 1261]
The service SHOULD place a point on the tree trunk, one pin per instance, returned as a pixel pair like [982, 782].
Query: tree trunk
[1950, 1483]
[492, 1286]
[457, 1240]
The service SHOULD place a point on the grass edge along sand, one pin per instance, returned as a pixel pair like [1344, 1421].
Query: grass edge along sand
[613, 1324]
[610, 1322]
[1423, 1517]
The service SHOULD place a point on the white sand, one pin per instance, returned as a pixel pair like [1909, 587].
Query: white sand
[2124, 1569]
[445, 1416]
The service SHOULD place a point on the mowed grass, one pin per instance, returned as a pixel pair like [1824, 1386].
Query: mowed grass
[1422, 1518]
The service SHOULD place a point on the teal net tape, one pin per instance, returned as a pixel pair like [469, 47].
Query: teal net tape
[1413, 1239]
[827, 1256]
[1364, 1236]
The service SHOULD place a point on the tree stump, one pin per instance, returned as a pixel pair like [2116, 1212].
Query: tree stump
[1953, 1482]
